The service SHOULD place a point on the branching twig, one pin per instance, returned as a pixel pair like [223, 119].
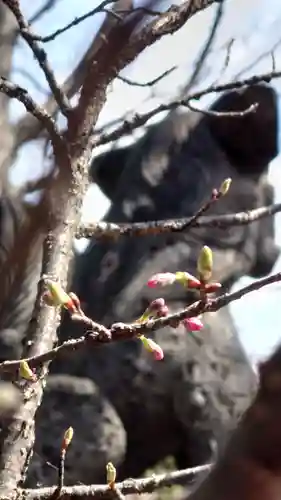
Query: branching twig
[138, 120]
[122, 331]
[129, 486]
[27, 129]
[16, 92]
[75, 22]
[103, 229]
[40, 56]
[21, 94]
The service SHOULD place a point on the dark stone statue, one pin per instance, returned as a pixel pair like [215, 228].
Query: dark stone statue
[125, 406]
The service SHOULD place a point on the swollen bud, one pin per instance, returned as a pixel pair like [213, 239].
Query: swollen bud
[56, 296]
[152, 347]
[156, 309]
[205, 263]
[212, 287]
[161, 279]
[26, 372]
[67, 438]
[193, 324]
[225, 185]
[56, 293]
[110, 474]
[187, 279]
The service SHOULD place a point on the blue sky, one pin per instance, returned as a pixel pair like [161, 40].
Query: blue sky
[255, 26]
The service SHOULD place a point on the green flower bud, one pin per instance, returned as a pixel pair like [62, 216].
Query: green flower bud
[57, 293]
[26, 372]
[110, 474]
[225, 185]
[67, 438]
[205, 263]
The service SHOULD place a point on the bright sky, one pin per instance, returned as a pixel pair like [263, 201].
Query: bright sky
[255, 26]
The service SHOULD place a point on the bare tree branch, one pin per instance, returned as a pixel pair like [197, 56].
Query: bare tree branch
[205, 51]
[112, 230]
[172, 20]
[231, 114]
[27, 128]
[16, 92]
[127, 487]
[75, 22]
[40, 55]
[150, 83]
[138, 120]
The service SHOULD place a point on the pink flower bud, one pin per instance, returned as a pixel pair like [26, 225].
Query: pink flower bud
[187, 279]
[212, 287]
[152, 347]
[73, 304]
[193, 324]
[161, 279]
[157, 308]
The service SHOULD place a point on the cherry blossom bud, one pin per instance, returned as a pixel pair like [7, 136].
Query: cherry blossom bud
[215, 194]
[56, 296]
[26, 372]
[212, 287]
[157, 308]
[74, 304]
[152, 347]
[205, 263]
[67, 438]
[56, 293]
[110, 474]
[187, 279]
[193, 324]
[161, 279]
[225, 185]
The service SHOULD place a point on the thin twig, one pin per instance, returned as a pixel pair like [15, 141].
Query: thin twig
[150, 83]
[138, 120]
[226, 61]
[103, 229]
[75, 22]
[26, 74]
[205, 51]
[16, 92]
[229, 114]
[40, 55]
[129, 486]
[44, 9]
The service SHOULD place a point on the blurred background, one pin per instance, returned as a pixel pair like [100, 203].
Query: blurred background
[247, 41]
